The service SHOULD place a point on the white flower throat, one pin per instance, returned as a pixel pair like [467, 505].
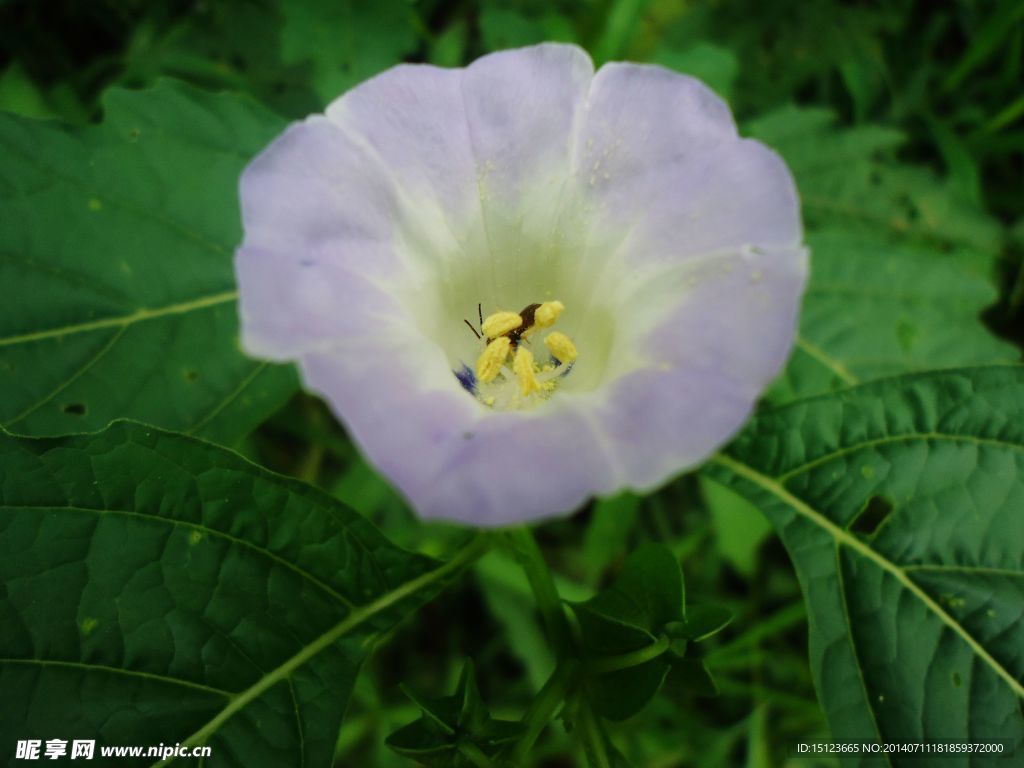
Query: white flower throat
[507, 376]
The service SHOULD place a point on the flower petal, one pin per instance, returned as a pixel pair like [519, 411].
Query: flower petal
[318, 233]
[709, 360]
[424, 191]
[474, 142]
[451, 459]
[662, 162]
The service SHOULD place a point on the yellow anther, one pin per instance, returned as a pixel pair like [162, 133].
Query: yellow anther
[561, 347]
[493, 357]
[501, 323]
[523, 367]
[547, 313]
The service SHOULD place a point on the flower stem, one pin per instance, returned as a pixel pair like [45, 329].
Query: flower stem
[474, 754]
[544, 706]
[544, 591]
[635, 658]
[592, 735]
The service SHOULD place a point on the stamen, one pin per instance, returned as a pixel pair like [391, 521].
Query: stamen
[507, 377]
[524, 370]
[493, 358]
[561, 347]
[501, 323]
[547, 313]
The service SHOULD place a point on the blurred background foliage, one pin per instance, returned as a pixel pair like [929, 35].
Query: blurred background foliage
[933, 84]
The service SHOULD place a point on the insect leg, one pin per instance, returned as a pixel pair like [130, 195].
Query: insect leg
[471, 327]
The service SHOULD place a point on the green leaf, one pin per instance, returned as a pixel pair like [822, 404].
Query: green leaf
[716, 66]
[159, 589]
[901, 260]
[116, 249]
[20, 95]
[228, 45]
[705, 620]
[506, 592]
[454, 731]
[597, 746]
[739, 526]
[607, 534]
[346, 42]
[619, 695]
[624, 632]
[900, 504]
[848, 178]
[646, 595]
[875, 308]
[689, 677]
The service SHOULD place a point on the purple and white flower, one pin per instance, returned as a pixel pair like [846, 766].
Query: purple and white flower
[662, 251]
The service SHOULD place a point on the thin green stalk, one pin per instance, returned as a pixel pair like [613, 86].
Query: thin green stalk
[544, 591]
[474, 754]
[632, 659]
[544, 706]
[778, 622]
[592, 735]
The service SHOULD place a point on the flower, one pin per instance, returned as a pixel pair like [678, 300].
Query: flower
[661, 253]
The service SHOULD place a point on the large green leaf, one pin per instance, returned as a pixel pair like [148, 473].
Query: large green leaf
[875, 307]
[158, 589]
[347, 41]
[902, 263]
[849, 177]
[116, 245]
[900, 503]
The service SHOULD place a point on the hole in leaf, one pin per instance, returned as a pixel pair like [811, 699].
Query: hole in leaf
[871, 517]
[74, 409]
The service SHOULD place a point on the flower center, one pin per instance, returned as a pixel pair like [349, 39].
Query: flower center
[507, 376]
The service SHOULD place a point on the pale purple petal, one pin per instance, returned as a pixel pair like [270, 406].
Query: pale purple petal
[370, 233]
[318, 231]
[661, 159]
[711, 358]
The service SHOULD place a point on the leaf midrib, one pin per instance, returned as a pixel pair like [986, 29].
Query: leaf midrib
[841, 536]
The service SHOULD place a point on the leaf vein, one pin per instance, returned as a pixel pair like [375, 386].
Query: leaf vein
[120, 671]
[893, 439]
[844, 537]
[205, 529]
[121, 321]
